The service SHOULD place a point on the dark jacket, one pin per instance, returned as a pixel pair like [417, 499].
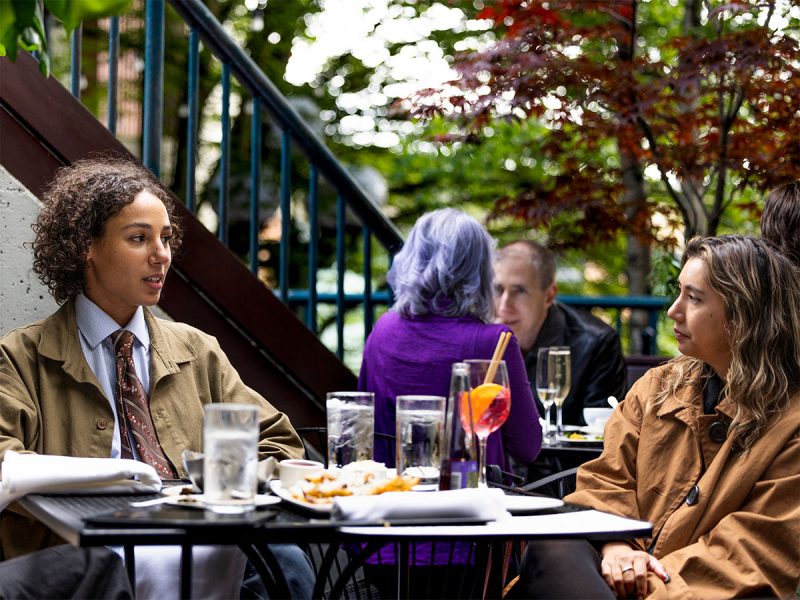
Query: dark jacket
[596, 355]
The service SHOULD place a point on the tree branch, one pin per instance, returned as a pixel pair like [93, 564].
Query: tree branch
[684, 206]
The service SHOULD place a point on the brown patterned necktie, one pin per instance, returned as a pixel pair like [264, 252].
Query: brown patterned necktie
[134, 410]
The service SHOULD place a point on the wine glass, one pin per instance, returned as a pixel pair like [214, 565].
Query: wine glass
[544, 389]
[559, 369]
[490, 401]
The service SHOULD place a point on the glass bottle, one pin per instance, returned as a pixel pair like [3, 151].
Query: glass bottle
[459, 465]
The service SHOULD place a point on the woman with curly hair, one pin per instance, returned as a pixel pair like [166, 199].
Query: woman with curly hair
[706, 448]
[103, 377]
[76, 208]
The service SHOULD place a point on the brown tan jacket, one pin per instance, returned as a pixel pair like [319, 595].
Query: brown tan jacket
[52, 403]
[741, 535]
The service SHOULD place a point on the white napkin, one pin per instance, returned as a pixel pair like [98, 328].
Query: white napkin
[24, 474]
[470, 503]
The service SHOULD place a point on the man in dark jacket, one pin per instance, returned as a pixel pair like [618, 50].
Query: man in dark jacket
[525, 299]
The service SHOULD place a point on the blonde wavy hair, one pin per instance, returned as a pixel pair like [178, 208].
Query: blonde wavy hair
[761, 291]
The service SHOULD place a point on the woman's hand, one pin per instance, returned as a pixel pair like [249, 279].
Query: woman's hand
[625, 569]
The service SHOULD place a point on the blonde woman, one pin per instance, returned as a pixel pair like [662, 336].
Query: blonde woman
[706, 448]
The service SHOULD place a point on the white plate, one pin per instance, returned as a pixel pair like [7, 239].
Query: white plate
[175, 490]
[175, 498]
[524, 504]
[277, 489]
[514, 504]
[593, 431]
[589, 440]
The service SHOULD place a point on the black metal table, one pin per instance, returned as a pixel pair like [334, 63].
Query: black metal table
[85, 521]
[97, 520]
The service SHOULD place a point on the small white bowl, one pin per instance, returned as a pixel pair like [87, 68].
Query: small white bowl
[293, 470]
[596, 418]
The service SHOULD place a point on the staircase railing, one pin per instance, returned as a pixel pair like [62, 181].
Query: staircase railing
[322, 163]
[295, 133]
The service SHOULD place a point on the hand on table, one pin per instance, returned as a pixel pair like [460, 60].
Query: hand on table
[625, 569]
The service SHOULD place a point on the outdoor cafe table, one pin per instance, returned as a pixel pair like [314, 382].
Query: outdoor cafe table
[80, 522]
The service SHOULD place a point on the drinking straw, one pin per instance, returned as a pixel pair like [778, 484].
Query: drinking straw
[499, 351]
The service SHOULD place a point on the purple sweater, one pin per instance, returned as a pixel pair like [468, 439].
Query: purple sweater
[415, 356]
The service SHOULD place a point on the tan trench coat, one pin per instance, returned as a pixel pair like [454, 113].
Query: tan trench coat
[742, 535]
[52, 403]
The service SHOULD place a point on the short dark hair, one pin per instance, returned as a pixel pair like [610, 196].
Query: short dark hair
[541, 260]
[780, 222]
[76, 206]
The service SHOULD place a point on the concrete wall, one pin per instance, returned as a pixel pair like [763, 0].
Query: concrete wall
[22, 297]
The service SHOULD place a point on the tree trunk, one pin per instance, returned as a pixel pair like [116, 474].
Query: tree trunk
[634, 200]
[638, 256]
[692, 188]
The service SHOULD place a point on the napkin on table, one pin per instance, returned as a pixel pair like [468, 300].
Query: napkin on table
[24, 474]
[470, 503]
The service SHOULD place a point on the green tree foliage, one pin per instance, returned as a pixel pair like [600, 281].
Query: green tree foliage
[22, 22]
[704, 98]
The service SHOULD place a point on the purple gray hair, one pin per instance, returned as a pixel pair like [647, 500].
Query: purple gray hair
[444, 268]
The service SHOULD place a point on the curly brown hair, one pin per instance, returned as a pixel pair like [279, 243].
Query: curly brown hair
[76, 206]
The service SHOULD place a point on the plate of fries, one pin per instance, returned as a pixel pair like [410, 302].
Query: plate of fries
[317, 492]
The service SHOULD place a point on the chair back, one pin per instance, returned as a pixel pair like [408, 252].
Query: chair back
[637, 365]
[556, 485]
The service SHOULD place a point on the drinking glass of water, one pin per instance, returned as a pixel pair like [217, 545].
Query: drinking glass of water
[351, 426]
[230, 438]
[420, 436]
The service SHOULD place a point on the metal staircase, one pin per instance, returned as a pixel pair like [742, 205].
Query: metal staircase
[44, 127]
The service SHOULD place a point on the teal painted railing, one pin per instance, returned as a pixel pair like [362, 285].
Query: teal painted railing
[295, 134]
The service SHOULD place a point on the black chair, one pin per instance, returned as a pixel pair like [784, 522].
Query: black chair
[372, 570]
[315, 442]
[556, 485]
[637, 365]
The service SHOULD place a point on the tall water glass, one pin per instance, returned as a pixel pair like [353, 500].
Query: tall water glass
[420, 437]
[351, 426]
[490, 401]
[560, 379]
[546, 393]
[230, 445]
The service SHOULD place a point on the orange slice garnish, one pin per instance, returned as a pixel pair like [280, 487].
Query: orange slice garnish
[482, 397]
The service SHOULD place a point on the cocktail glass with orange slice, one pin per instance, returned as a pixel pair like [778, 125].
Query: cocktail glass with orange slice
[490, 403]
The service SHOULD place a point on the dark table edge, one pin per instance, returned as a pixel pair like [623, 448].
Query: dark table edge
[314, 530]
